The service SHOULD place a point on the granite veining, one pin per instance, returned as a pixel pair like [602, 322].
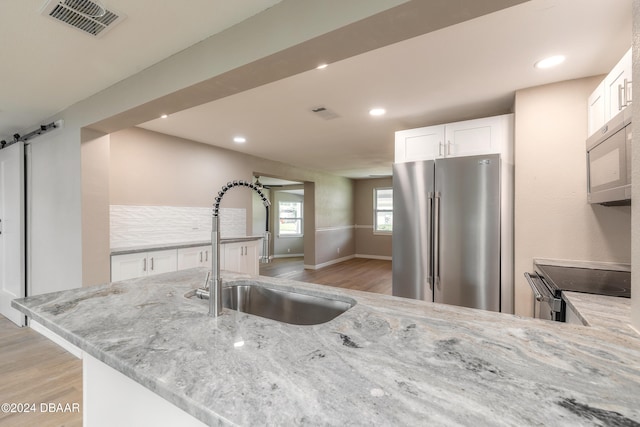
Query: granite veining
[386, 361]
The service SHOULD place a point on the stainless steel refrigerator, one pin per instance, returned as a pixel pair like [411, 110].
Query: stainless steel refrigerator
[446, 231]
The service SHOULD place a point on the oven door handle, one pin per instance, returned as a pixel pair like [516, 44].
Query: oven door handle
[542, 294]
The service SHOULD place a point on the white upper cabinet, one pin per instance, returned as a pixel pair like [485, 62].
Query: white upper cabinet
[617, 87]
[611, 96]
[596, 114]
[419, 144]
[467, 138]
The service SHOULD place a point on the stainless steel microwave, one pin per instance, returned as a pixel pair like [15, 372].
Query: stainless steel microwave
[609, 162]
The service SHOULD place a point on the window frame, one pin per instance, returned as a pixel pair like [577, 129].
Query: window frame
[300, 219]
[376, 210]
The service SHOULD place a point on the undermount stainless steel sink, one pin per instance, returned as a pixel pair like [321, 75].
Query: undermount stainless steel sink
[292, 307]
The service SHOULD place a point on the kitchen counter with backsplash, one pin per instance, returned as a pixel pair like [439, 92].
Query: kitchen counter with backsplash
[386, 361]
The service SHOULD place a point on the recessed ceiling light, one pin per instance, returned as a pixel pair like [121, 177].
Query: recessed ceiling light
[377, 112]
[239, 139]
[549, 62]
[322, 66]
[164, 116]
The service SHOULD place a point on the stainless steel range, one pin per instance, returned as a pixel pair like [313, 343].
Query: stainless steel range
[549, 281]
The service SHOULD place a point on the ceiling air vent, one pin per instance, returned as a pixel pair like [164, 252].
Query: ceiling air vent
[85, 15]
[324, 113]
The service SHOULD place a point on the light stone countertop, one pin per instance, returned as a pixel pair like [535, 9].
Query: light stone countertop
[166, 246]
[386, 361]
[613, 313]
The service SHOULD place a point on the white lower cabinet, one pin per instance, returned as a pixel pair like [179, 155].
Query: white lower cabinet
[199, 256]
[241, 257]
[129, 266]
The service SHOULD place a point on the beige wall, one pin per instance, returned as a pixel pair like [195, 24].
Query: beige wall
[96, 264]
[369, 244]
[552, 216]
[149, 168]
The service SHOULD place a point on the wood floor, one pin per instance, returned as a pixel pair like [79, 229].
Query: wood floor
[34, 370]
[371, 275]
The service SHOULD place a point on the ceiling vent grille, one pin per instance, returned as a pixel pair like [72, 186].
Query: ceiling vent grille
[324, 113]
[87, 16]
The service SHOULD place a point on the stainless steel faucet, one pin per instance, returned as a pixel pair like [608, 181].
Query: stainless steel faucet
[215, 284]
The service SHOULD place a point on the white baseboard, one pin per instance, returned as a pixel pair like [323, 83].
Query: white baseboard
[328, 263]
[288, 256]
[382, 257]
[55, 338]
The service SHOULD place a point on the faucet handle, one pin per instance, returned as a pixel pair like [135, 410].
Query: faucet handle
[207, 285]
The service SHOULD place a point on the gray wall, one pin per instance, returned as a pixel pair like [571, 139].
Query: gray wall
[552, 216]
[368, 244]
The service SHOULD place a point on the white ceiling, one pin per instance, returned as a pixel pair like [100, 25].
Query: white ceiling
[464, 71]
[48, 66]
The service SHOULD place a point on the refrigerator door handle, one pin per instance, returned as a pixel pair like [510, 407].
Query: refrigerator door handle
[436, 239]
[430, 196]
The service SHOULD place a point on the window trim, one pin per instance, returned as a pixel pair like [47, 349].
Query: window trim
[376, 210]
[300, 218]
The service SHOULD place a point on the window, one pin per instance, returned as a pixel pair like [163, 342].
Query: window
[290, 219]
[383, 210]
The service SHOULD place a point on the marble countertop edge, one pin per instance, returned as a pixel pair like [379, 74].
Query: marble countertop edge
[123, 250]
[597, 265]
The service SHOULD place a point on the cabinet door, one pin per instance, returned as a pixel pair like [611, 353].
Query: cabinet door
[189, 258]
[596, 113]
[250, 263]
[128, 266]
[206, 256]
[618, 87]
[199, 256]
[473, 137]
[162, 261]
[233, 253]
[241, 257]
[419, 144]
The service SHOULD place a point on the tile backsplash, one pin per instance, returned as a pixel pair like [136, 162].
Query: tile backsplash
[150, 225]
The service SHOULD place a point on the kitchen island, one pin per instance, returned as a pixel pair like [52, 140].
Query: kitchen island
[385, 361]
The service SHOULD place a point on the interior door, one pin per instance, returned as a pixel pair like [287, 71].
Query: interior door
[12, 230]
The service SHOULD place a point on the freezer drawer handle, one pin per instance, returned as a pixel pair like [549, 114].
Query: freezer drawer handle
[542, 294]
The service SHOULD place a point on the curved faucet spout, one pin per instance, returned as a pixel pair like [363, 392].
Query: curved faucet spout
[215, 285]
